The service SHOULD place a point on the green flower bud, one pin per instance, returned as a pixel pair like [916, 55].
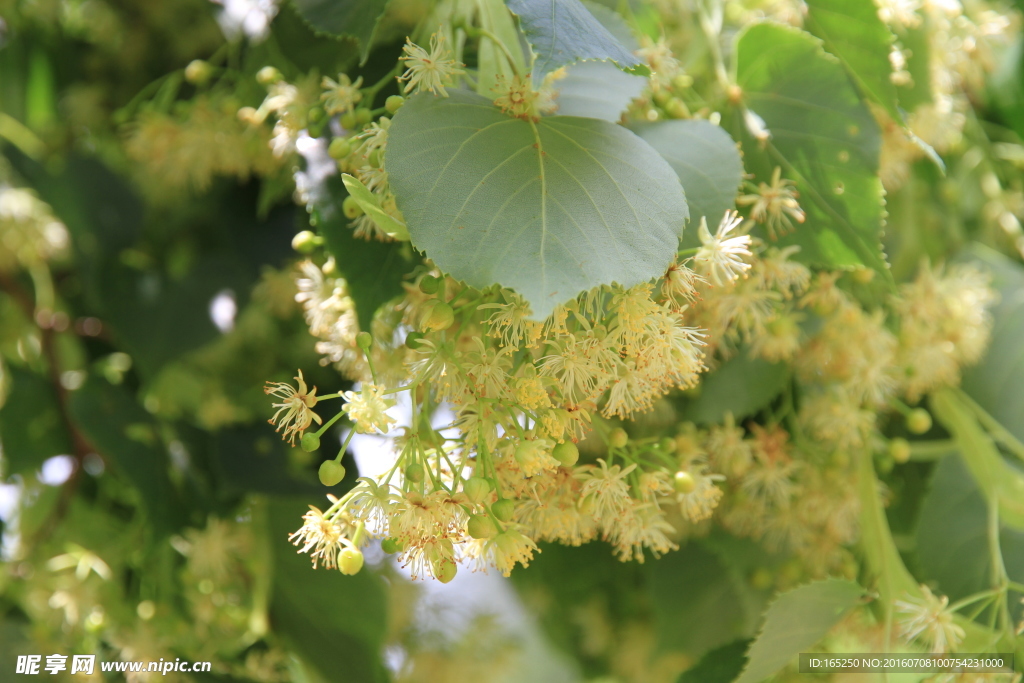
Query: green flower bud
[310, 442]
[444, 571]
[394, 103]
[430, 284]
[667, 444]
[198, 72]
[331, 472]
[268, 75]
[315, 114]
[566, 453]
[364, 340]
[306, 242]
[391, 545]
[503, 509]
[350, 207]
[682, 81]
[374, 159]
[348, 121]
[677, 109]
[363, 116]
[919, 421]
[350, 561]
[618, 438]
[477, 489]
[481, 526]
[339, 148]
[412, 340]
[437, 316]
[661, 97]
[415, 472]
[683, 482]
[899, 449]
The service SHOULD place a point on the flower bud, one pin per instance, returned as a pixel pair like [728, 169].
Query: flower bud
[394, 103]
[437, 316]
[919, 421]
[481, 526]
[348, 121]
[444, 570]
[415, 472]
[412, 340]
[683, 482]
[309, 442]
[899, 449]
[339, 149]
[618, 438]
[306, 242]
[350, 207]
[566, 453]
[268, 75]
[364, 340]
[476, 489]
[363, 116]
[677, 109]
[391, 545]
[198, 72]
[350, 561]
[667, 444]
[503, 509]
[430, 284]
[331, 472]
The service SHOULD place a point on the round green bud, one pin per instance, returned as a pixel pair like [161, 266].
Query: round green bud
[310, 442]
[364, 340]
[864, 275]
[374, 159]
[618, 438]
[350, 207]
[899, 449]
[444, 571]
[437, 316]
[348, 121]
[363, 116]
[339, 148]
[330, 267]
[412, 340]
[316, 114]
[331, 472]
[683, 482]
[350, 561]
[306, 242]
[430, 284]
[391, 545]
[919, 421]
[415, 472]
[481, 526]
[682, 81]
[677, 109]
[268, 75]
[667, 444]
[476, 489]
[661, 97]
[198, 72]
[394, 103]
[566, 453]
[503, 509]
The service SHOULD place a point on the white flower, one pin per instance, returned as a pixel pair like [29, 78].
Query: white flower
[722, 256]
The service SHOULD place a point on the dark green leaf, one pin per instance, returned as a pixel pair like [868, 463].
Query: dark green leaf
[741, 385]
[549, 209]
[31, 429]
[721, 665]
[853, 32]
[336, 623]
[952, 535]
[358, 19]
[823, 136]
[564, 32]
[707, 162]
[795, 622]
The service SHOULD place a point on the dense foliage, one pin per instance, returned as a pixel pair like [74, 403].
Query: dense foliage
[699, 320]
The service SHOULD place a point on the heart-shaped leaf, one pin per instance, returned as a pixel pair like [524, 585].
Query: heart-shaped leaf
[549, 209]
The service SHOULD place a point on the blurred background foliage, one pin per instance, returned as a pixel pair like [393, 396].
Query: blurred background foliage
[146, 294]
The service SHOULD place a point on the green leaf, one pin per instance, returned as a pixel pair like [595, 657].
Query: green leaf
[795, 622]
[357, 19]
[549, 209]
[706, 160]
[952, 535]
[564, 32]
[31, 429]
[741, 385]
[597, 90]
[721, 665]
[916, 44]
[823, 136]
[336, 623]
[491, 60]
[372, 269]
[370, 205]
[854, 33]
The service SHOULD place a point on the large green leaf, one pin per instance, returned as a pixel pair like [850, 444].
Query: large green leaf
[597, 90]
[492, 64]
[353, 18]
[952, 535]
[563, 32]
[822, 135]
[31, 429]
[853, 32]
[706, 160]
[336, 623]
[549, 209]
[741, 385]
[795, 622]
